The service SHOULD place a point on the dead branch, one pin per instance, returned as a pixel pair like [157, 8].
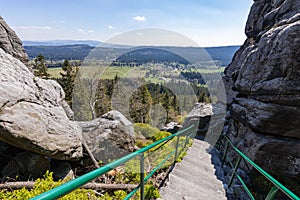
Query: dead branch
[93, 186]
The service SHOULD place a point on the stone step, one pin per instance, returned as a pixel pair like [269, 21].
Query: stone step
[204, 163]
[195, 177]
[194, 190]
[197, 170]
[206, 181]
[167, 193]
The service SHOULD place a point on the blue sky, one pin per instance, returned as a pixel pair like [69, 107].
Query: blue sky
[207, 22]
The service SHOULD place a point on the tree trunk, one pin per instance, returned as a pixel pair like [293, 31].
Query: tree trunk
[93, 186]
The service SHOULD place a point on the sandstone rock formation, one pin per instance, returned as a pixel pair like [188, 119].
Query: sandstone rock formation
[109, 136]
[11, 43]
[200, 115]
[172, 127]
[31, 113]
[263, 88]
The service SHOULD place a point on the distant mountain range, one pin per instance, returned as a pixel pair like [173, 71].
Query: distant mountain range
[80, 49]
[92, 43]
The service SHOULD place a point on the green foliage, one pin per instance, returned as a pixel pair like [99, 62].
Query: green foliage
[145, 129]
[120, 195]
[142, 143]
[151, 192]
[103, 96]
[67, 81]
[160, 135]
[140, 103]
[40, 68]
[43, 185]
[132, 171]
[167, 105]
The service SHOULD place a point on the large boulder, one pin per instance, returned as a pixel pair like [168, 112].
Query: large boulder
[200, 116]
[263, 88]
[11, 43]
[109, 136]
[208, 119]
[31, 113]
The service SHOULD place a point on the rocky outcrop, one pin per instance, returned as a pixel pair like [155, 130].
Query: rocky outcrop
[11, 43]
[200, 115]
[31, 113]
[263, 88]
[172, 127]
[208, 119]
[109, 136]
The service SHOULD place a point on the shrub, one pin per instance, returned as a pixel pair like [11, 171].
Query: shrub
[145, 129]
[43, 185]
[160, 135]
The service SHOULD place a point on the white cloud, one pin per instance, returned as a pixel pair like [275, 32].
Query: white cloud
[81, 30]
[85, 31]
[110, 27]
[140, 18]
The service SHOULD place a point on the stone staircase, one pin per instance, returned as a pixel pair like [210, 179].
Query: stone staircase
[195, 178]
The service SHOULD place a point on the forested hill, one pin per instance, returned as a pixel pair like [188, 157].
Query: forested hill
[221, 55]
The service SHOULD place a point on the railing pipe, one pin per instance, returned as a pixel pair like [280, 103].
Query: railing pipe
[142, 174]
[66, 188]
[285, 190]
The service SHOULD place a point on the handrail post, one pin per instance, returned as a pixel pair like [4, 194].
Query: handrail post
[271, 195]
[234, 171]
[142, 176]
[225, 153]
[176, 150]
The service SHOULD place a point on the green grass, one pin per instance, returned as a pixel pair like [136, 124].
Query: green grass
[110, 72]
[55, 72]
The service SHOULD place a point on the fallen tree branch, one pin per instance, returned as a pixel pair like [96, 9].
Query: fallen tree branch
[90, 153]
[93, 186]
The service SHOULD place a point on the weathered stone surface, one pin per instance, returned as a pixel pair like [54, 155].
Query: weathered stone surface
[172, 127]
[200, 116]
[276, 155]
[267, 118]
[11, 43]
[31, 115]
[109, 136]
[26, 165]
[263, 87]
[208, 119]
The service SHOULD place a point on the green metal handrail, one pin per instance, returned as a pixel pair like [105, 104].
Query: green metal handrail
[76, 183]
[277, 185]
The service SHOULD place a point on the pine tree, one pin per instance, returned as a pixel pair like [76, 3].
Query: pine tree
[103, 97]
[140, 104]
[67, 81]
[167, 104]
[40, 68]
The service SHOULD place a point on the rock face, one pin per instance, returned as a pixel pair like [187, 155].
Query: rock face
[31, 113]
[11, 43]
[263, 88]
[109, 136]
[200, 115]
[172, 127]
[208, 119]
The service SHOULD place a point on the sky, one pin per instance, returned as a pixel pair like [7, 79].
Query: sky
[207, 22]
